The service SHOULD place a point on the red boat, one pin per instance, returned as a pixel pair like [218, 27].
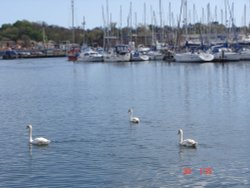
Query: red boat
[73, 54]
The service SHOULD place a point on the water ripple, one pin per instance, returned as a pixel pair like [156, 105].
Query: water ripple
[82, 108]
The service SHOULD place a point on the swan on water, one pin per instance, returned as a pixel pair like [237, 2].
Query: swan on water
[36, 141]
[133, 119]
[186, 142]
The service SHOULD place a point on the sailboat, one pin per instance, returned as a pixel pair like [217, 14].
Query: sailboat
[191, 56]
[198, 56]
[245, 54]
[224, 53]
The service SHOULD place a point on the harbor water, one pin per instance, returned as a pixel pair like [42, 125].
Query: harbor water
[83, 109]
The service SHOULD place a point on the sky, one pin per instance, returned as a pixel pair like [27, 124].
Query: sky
[59, 12]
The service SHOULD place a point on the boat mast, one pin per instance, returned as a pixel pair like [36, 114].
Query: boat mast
[208, 14]
[177, 43]
[225, 13]
[130, 20]
[185, 20]
[108, 23]
[245, 15]
[153, 26]
[73, 24]
[104, 28]
[194, 11]
[44, 37]
[145, 23]
[170, 14]
[83, 26]
[215, 14]
[160, 13]
[161, 25]
[121, 35]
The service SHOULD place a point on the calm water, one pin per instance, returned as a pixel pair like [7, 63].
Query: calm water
[83, 109]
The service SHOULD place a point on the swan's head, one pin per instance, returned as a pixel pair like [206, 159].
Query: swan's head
[29, 127]
[180, 131]
[130, 110]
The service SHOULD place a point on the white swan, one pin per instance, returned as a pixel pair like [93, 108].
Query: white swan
[133, 119]
[36, 141]
[186, 142]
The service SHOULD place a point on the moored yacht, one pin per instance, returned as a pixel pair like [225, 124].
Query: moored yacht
[138, 56]
[119, 53]
[199, 56]
[245, 54]
[89, 55]
[73, 54]
[224, 54]
[155, 55]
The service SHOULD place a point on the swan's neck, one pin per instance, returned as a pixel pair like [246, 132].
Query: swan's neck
[181, 137]
[30, 135]
[131, 114]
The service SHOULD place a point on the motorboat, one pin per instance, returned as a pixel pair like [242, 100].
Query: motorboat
[155, 55]
[119, 53]
[90, 55]
[73, 54]
[138, 56]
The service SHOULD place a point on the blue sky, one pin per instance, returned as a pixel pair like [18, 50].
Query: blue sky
[58, 12]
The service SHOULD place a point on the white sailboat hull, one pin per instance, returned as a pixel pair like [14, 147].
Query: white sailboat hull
[227, 56]
[245, 55]
[193, 57]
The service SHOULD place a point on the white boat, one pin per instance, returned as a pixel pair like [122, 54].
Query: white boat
[137, 56]
[152, 54]
[119, 54]
[143, 49]
[89, 55]
[155, 55]
[245, 54]
[193, 57]
[225, 54]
